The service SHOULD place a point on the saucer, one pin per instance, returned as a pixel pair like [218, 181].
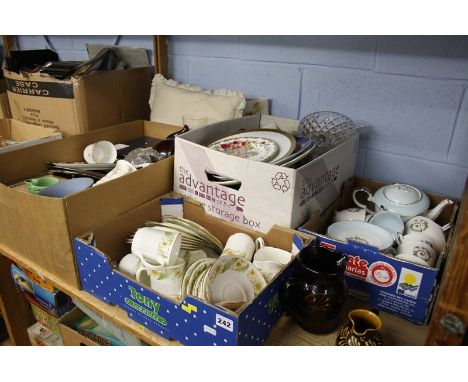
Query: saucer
[233, 278]
[361, 232]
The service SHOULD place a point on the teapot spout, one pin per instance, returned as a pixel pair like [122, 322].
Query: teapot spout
[436, 211]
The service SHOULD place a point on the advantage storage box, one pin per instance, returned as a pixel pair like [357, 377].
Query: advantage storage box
[82, 103]
[41, 229]
[26, 135]
[395, 286]
[191, 321]
[268, 194]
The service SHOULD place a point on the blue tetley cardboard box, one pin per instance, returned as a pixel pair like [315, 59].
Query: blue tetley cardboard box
[190, 321]
[395, 286]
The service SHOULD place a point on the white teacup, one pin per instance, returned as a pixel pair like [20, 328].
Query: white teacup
[156, 246]
[389, 221]
[270, 261]
[421, 224]
[100, 152]
[422, 249]
[122, 167]
[352, 214]
[166, 280]
[129, 265]
[241, 245]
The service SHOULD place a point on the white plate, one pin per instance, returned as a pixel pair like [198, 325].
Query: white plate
[85, 166]
[286, 142]
[299, 157]
[234, 278]
[303, 144]
[361, 232]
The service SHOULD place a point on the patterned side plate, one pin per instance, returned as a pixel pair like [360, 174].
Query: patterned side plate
[233, 278]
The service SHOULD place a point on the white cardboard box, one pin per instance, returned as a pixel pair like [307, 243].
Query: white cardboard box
[268, 194]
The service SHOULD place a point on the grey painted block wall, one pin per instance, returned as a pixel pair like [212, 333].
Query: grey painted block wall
[410, 90]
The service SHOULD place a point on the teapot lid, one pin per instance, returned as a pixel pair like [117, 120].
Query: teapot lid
[402, 194]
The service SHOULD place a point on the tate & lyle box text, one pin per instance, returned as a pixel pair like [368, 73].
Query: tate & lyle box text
[268, 194]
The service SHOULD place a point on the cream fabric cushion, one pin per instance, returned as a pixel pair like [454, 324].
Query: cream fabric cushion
[170, 102]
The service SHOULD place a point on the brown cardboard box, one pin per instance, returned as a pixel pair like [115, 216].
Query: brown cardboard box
[80, 104]
[41, 228]
[70, 337]
[28, 135]
[4, 105]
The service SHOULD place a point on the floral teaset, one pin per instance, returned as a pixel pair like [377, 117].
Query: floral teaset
[178, 257]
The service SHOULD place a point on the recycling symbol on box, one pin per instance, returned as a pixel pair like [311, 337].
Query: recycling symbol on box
[281, 182]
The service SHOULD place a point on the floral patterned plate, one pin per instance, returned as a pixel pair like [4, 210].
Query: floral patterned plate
[234, 278]
[196, 230]
[257, 149]
[264, 145]
[188, 282]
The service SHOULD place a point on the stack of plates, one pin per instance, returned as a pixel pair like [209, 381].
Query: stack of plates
[269, 146]
[194, 236]
[227, 280]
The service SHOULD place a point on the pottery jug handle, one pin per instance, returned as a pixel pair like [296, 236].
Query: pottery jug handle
[369, 198]
[285, 290]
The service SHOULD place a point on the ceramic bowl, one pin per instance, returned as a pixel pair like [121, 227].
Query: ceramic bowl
[361, 232]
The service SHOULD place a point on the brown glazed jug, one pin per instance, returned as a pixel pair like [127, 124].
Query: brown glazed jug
[361, 330]
[316, 295]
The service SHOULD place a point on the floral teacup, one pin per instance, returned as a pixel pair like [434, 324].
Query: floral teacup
[166, 280]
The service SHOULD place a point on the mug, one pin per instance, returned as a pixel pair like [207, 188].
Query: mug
[421, 224]
[129, 265]
[241, 245]
[122, 167]
[166, 280]
[156, 246]
[353, 213]
[422, 249]
[270, 261]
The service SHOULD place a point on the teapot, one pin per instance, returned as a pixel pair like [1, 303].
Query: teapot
[402, 199]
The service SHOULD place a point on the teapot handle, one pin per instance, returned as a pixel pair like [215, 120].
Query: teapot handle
[369, 198]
